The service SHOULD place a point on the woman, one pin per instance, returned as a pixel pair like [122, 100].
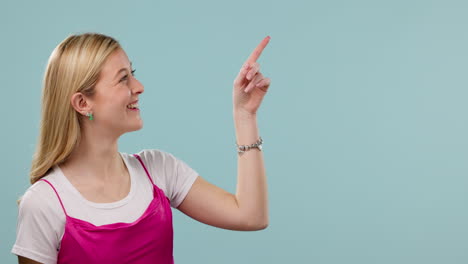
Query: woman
[90, 203]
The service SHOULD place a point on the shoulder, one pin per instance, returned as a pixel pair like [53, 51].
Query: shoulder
[40, 224]
[173, 174]
[39, 200]
[155, 154]
[158, 158]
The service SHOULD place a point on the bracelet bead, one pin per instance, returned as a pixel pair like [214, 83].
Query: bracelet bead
[243, 148]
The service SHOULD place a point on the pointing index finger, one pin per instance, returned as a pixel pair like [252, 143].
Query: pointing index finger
[258, 50]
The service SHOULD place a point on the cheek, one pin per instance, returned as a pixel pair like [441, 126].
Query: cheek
[116, 100]
[112, 105]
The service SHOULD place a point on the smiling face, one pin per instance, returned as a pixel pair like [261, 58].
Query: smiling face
[115, 90]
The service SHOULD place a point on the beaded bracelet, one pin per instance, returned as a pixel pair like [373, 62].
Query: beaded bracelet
[243, 148]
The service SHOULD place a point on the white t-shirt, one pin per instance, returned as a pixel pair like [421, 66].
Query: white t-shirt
[41, 220]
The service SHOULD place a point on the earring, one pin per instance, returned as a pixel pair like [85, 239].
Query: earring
[90, 115]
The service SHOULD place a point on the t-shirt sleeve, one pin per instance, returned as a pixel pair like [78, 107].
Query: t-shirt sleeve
[175, 174]
[36, 230]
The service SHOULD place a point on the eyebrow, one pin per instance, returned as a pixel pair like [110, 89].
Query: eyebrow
[121, 70]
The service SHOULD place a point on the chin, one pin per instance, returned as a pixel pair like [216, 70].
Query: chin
[137, 127]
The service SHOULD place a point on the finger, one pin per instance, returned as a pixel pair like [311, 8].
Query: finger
[254, 69]
[263, 83]
[252, 83]
[241, 76]
[258, 50]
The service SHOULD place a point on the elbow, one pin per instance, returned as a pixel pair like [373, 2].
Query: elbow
[255, 220]
[260, 226]
[263, 226]
[257, 225]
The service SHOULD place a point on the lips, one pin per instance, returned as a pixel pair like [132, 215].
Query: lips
[134, 102]
[133, 105]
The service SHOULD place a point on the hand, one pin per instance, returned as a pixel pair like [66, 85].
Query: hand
[250, 86]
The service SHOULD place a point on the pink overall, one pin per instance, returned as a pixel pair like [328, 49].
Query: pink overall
[149, 239]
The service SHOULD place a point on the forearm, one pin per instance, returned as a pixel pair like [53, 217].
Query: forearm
[251, 193]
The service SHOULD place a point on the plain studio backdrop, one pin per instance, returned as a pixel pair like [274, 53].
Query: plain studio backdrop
[365, 124]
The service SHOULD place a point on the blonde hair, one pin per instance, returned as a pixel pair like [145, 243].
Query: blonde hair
[74, 66]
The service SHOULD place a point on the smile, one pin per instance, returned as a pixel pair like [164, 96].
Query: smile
[133, 106]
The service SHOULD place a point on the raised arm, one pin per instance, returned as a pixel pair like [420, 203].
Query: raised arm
[248, 208]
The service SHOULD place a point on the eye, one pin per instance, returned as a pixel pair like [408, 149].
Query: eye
[126, 76]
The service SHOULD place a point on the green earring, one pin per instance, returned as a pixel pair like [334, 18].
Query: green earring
[90, 116]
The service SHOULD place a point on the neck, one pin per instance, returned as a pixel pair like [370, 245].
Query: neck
[96, 156]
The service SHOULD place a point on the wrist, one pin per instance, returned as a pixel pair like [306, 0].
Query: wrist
[242, 114]
[243, 148]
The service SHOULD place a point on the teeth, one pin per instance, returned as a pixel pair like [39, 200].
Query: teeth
[132, 105]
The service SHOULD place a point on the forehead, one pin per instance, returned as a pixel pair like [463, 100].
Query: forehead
[116, 61]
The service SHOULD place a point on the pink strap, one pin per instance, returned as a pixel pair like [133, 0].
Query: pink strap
[144, 167]
[60, 200]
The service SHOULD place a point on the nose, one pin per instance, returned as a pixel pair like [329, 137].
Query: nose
[137, 87]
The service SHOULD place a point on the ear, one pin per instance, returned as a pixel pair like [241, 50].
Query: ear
[81, 103]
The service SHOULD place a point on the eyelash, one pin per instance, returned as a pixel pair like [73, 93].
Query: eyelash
[126, 75]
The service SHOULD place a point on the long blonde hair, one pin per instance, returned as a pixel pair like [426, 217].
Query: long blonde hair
[73, 66]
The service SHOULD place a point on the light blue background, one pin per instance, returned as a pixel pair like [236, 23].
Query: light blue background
[364, 126]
